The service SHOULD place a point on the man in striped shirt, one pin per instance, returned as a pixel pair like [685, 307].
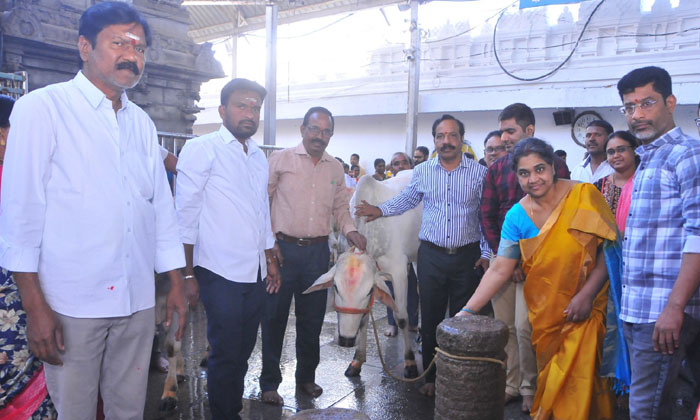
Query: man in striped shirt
[452, 246]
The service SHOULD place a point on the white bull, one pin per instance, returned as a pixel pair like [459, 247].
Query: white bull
[392, 242]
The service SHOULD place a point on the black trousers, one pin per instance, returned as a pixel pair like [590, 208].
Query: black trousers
[302, 266]
[233, 311]
[444, 281]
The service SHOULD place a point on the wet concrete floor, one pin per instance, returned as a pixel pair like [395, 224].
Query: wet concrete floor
[373, 393]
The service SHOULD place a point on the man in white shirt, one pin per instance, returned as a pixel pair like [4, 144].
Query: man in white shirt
[223, 212]
[86, 219]
[595, 165]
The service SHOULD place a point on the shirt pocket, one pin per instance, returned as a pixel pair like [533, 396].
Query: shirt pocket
[139, 173]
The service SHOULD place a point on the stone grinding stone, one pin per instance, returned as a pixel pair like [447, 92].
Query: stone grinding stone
[470, 389]
[332, 413]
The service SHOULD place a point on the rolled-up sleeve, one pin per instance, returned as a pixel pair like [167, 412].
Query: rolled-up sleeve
[193, 169]
[170, 255]
[26, 173]
[688, 170]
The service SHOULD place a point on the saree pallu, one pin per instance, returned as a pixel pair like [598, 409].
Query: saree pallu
[557, 262]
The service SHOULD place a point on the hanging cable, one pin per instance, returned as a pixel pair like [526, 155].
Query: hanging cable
[471, 29]
[566, 60]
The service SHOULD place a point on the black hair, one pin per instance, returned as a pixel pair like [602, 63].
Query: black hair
[602, 124]
[658, 77]
[498, 133]
[448, 117]
[522, 113]
[339, 159]
[534, 145]
[346, 166]
[355, 155]
[6, 104]
[241, 84]
[424, 150]
[378, 161]
[101, 15]
[321, 110]
[352, 168]
[628, 137]
[560, 153]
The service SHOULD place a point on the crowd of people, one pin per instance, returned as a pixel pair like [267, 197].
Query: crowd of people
[596, 277]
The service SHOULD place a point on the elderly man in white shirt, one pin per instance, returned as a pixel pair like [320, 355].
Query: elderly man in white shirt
[224, 216]
[86, 218]
[595, 165]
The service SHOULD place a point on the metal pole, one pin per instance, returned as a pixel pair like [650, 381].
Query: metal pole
[413, 57]
[271, 74]
[234, 47]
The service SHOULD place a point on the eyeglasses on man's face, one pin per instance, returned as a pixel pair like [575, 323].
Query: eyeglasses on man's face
[628, 109]
[315, 130]
[697, 122]
[496, 149]
[618, 149]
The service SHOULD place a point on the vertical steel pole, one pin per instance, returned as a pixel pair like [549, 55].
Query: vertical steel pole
[234, 47]
[271, 74]
[413, 57]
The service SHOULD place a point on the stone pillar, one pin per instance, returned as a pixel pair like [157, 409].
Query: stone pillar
[470, 389]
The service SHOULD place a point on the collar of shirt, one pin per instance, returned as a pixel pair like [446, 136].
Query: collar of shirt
[94, 95]
[672, 134]
[227, 137]
[301, 150]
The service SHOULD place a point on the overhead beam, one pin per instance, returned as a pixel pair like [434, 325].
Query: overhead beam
[296, 14]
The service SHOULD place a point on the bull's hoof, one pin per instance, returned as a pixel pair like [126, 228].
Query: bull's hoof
[353, 371]
[181, 378]
[410, 371]
[167, 404]
[204, 362]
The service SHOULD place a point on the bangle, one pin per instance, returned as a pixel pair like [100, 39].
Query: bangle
[465, 309]
[191, 276]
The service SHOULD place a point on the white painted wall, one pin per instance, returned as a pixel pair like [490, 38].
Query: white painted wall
[380, 136]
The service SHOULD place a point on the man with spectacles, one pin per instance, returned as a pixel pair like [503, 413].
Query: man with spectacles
[595, 165]
[306, 188]
[661, 249]
[420, 155]
[494, 148]
[452, 246]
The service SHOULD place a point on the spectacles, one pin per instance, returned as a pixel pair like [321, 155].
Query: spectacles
[697, 122]
[495, 149]
[315, 130]
[629, 109]
[618, 149]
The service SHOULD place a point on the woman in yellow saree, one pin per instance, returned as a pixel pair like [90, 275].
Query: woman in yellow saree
[557, 230]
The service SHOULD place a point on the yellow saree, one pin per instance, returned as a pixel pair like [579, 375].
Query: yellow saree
[557, 262]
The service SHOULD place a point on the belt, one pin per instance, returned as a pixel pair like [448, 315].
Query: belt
[449, 251]
[302, 241]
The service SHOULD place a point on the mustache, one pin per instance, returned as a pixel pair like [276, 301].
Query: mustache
[129, 65]
[447, 147]
[249, 122]
[317, 140]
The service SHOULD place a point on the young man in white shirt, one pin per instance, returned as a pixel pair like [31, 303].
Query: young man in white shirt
[224, 215]
[86, 219]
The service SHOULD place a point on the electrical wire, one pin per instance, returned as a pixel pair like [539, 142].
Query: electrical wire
[475, 27]
[566, 60]
[306, 34]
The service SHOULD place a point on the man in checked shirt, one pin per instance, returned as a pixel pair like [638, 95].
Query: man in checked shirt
[661, 251]
[452, 246]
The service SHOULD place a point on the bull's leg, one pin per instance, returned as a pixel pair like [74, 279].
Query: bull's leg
[168, 401]
[399, 270]
[360, 356]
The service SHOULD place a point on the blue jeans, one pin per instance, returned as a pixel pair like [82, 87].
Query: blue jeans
[302, 266]
[655, 376]
[412, 304]
[233, 311]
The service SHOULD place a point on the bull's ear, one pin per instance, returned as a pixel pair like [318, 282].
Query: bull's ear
[323, 282]
[381, 290]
